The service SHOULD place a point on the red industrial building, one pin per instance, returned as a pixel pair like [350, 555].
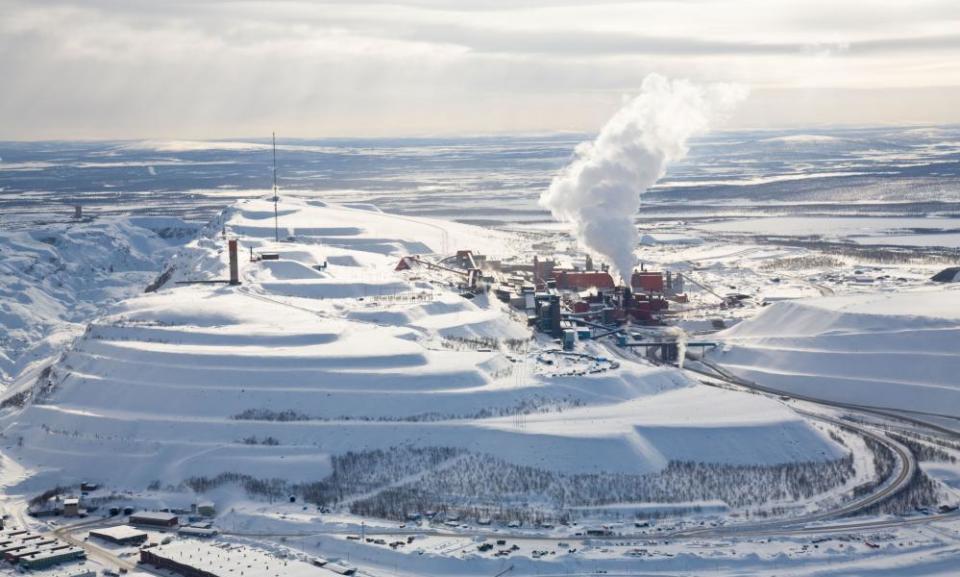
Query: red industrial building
[580, 280]
[640, 281]
[643, 309]
[647, 281]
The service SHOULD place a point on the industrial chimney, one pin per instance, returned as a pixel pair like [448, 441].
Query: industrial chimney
[234, 264]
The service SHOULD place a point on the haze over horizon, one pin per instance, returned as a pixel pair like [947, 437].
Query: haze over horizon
[230, 68]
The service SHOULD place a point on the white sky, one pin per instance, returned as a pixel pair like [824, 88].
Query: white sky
[224, 68]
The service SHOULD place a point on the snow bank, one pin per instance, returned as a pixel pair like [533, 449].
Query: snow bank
[895, 350]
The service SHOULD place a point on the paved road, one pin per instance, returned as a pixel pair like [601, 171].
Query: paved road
[914, 417]
[103, 556]
[904, 472]
[806, 524]
[906, 462]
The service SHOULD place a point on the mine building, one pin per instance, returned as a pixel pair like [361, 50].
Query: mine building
[542, 271]
[192, 558]
[120, 535]
[647, 281]
[71, 507]
[583, 280]
[205, 508]
[154, 519]
[199, 532]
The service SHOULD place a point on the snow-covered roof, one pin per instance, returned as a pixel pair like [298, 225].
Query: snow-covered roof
[118, 532]
[230, 561]
[154, 516]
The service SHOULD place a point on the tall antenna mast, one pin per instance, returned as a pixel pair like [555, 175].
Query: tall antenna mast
[276, 193]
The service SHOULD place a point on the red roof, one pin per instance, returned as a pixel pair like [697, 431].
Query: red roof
[583, 280]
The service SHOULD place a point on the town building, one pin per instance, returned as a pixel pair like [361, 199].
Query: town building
[206, 508]
[192, 558]
[154, 519]
[71, 507]
[201, 532]
[52, 557]
[120, 535]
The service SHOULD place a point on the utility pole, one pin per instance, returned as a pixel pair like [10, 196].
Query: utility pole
[276, 193]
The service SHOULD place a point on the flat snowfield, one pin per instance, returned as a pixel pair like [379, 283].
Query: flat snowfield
[329, 350]
[894, 350]
[869, 229]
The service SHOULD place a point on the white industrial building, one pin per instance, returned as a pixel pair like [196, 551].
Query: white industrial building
[71, 572]
[120, 535]
[193, 558]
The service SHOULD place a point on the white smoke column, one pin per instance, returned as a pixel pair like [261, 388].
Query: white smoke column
[599, 191]
[681, 338]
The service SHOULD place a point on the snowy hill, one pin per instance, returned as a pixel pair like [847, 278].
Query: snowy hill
[55, 278]
[309, 374]
[895, 350]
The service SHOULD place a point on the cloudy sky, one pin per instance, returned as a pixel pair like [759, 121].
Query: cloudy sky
[226, 68]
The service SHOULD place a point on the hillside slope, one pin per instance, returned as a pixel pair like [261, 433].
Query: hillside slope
[303, 364]
[55, 278]
[895, 350]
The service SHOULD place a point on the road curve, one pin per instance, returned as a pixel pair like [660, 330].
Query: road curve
[95, 553]
[906, 462]
[791, 526]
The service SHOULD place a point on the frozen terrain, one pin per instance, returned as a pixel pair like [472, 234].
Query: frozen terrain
[886, 171]
[356, 357]
[416, 428]
[55, 278]
[891, 350]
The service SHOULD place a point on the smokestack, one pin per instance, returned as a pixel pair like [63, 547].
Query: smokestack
[234, 264]
[589, 265]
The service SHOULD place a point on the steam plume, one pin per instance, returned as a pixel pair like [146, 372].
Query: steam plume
[599, 191]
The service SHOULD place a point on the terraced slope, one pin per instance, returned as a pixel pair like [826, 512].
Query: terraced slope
[892, 350]
[303, 364]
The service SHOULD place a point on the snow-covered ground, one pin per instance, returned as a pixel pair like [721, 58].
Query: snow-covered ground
[895, 350]
[370, 393]
[53, 279]
[871, 229]
[352, 357]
